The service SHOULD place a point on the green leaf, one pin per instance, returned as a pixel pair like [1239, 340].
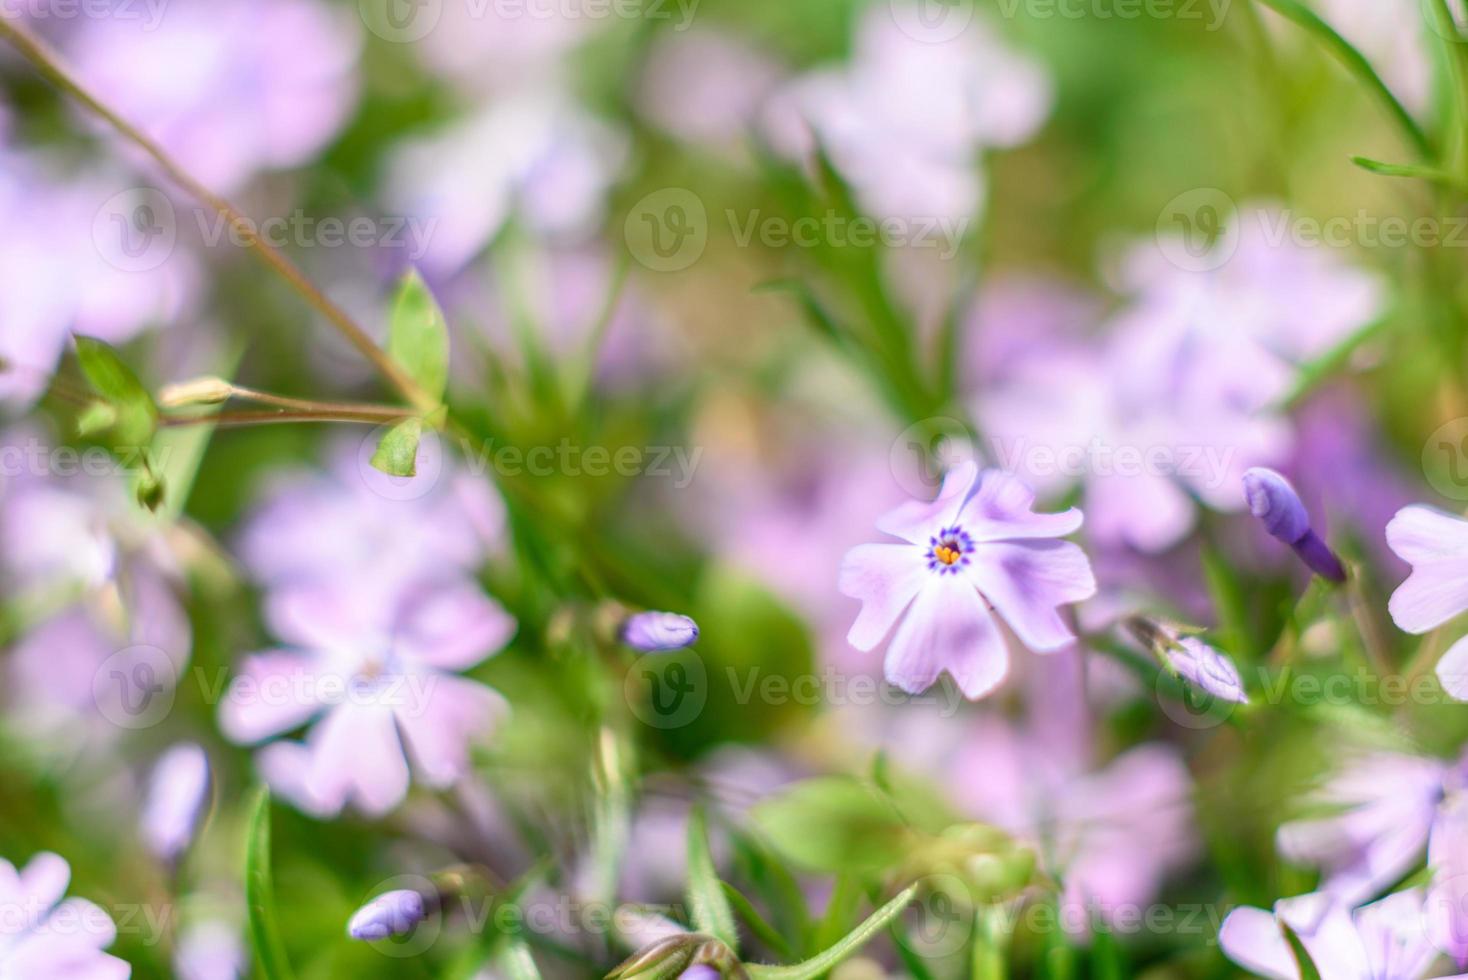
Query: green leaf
[96, 417]
[1308, 969]
[1432, 175]
[259, 893]
[418, 337]
[855, 940]
[397, 453]
[706, 901]
[136, 415]
[1356, 63]
[833, 824]
[516, 963]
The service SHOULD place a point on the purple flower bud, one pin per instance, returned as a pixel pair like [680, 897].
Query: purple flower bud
[1275, 502]
[659, 632]
[699, 971]
[389, 914]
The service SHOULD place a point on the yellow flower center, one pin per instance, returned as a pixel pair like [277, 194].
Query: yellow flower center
[947, 555]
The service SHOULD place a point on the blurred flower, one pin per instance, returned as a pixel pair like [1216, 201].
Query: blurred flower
[46, 935]
[229, 88]
[1392, 807]
[353, 522]
[1435, 544]
[1387, 940]
[978, 546]
[907, 120]
[705, 86]
[536, 158]
[210, 950]
[177, 795]
[487, 49]
[393, 913]
[659, 632]
[375, 672]
[74, 270]
[1271, 499]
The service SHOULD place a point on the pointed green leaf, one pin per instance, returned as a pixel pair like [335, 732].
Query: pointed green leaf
[762, 929]
[136, 415]
[516, 963]
[96, 417]
[397, 453]
[706, 900]
[1433, 175]
[1308, 969]
[854, 940]
[418, 337]
[259, 893]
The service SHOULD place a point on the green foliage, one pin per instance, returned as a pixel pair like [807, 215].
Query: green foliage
[397, 452]
[418, 338]
[260, 893]
[130, 410]
[833, 824]
[706, 900]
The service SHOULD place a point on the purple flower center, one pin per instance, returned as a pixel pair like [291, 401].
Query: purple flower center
[948, 550]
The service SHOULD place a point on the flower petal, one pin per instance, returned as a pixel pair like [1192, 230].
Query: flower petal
[454, 713]
[948, 628]
[454, 627]
[1436, 545]
[1452, 670]
[1027, 580]
[1001, 508]
[885, 577]
[1253, 939]
[272, 693]
[356, 754]
[918, 520]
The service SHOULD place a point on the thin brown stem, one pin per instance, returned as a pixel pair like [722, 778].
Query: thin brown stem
[264, 417]
[49, 64]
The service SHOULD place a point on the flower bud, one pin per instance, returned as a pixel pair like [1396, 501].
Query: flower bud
[200, 391]
[1275, 502]
[392, 913]
[659, 632]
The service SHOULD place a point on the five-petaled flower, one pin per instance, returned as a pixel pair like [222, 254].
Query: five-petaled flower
[978, 549]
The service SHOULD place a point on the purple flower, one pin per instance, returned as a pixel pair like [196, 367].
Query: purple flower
[979, 547]
[906, 121]
[43, 934]
[700, 971]
[392, 913]
[1387, 940]
[228, 87]
[375, 673]
[1391, 808]
[177, 794]
[210, 950]
[659, 632]
[1271, 499]
[705, 86]
[1435, 544]
[1207, 669]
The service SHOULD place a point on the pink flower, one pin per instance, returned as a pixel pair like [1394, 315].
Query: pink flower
[178, 792]
[374, 673]
[1435, 544]
[42, 935]
[977, 549]
[1387, 940]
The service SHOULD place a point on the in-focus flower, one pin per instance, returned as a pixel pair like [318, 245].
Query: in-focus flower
[392, 913]
[1387, 940]
[1391, 809]
[1274, 501]
[44, 934]
[1435, 544]
[177, 794]
[977, 550]
[659, 632]
[375, 672]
